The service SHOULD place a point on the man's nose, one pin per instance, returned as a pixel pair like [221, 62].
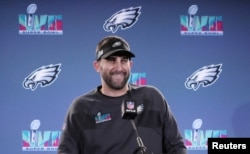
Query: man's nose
[118, 64]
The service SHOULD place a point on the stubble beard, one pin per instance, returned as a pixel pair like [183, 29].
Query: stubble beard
[116, 85]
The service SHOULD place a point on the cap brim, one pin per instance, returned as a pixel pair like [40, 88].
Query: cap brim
[118, 51]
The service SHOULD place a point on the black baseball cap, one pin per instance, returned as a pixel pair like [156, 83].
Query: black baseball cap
[112, 44]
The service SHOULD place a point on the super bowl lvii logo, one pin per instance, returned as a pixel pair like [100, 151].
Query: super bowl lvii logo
[197, 139]
[192, 24]
[32, 24]
[36, 140]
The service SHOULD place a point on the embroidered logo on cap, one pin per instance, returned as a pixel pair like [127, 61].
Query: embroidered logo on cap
[117, 44]
[99, 118]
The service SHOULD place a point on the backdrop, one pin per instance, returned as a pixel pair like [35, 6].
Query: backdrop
[196, 52]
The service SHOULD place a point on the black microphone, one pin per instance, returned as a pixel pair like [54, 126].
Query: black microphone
[129, 112]
[141, 149]
[129, 109]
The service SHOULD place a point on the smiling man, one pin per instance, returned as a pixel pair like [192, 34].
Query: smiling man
[97, 123]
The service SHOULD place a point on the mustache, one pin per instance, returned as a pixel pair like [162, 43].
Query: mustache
[118, 73]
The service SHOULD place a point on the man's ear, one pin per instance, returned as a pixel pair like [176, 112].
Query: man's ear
[96, 65]
[131, 63]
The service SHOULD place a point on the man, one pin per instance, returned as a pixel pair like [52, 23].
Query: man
[118, 117]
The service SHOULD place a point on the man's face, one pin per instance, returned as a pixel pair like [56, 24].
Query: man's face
[115, 71]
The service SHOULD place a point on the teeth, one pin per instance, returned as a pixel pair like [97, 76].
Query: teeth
[117, 75]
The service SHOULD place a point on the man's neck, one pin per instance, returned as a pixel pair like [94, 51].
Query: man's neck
[112, 92]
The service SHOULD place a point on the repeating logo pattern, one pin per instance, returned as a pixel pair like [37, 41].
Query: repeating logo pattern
[196, 138]
[123, 19]
[43, 76]
[205, 76]
[32, 24]
[37, 140]
[205, 25]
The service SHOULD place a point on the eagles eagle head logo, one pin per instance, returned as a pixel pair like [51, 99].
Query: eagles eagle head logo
[124, 19]
[43, 76]
[204, 76]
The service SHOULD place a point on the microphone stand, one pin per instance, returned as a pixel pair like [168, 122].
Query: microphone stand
[142, 149]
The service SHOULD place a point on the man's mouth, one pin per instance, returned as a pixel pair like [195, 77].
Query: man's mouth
[119, 75]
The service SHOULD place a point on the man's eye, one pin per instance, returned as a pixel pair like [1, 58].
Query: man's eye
[125, 59]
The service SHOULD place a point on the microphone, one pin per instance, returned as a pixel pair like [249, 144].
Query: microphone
[141, 149]
[129, 109]
[129, 112]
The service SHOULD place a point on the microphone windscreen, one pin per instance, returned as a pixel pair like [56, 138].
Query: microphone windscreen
[128, 109]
